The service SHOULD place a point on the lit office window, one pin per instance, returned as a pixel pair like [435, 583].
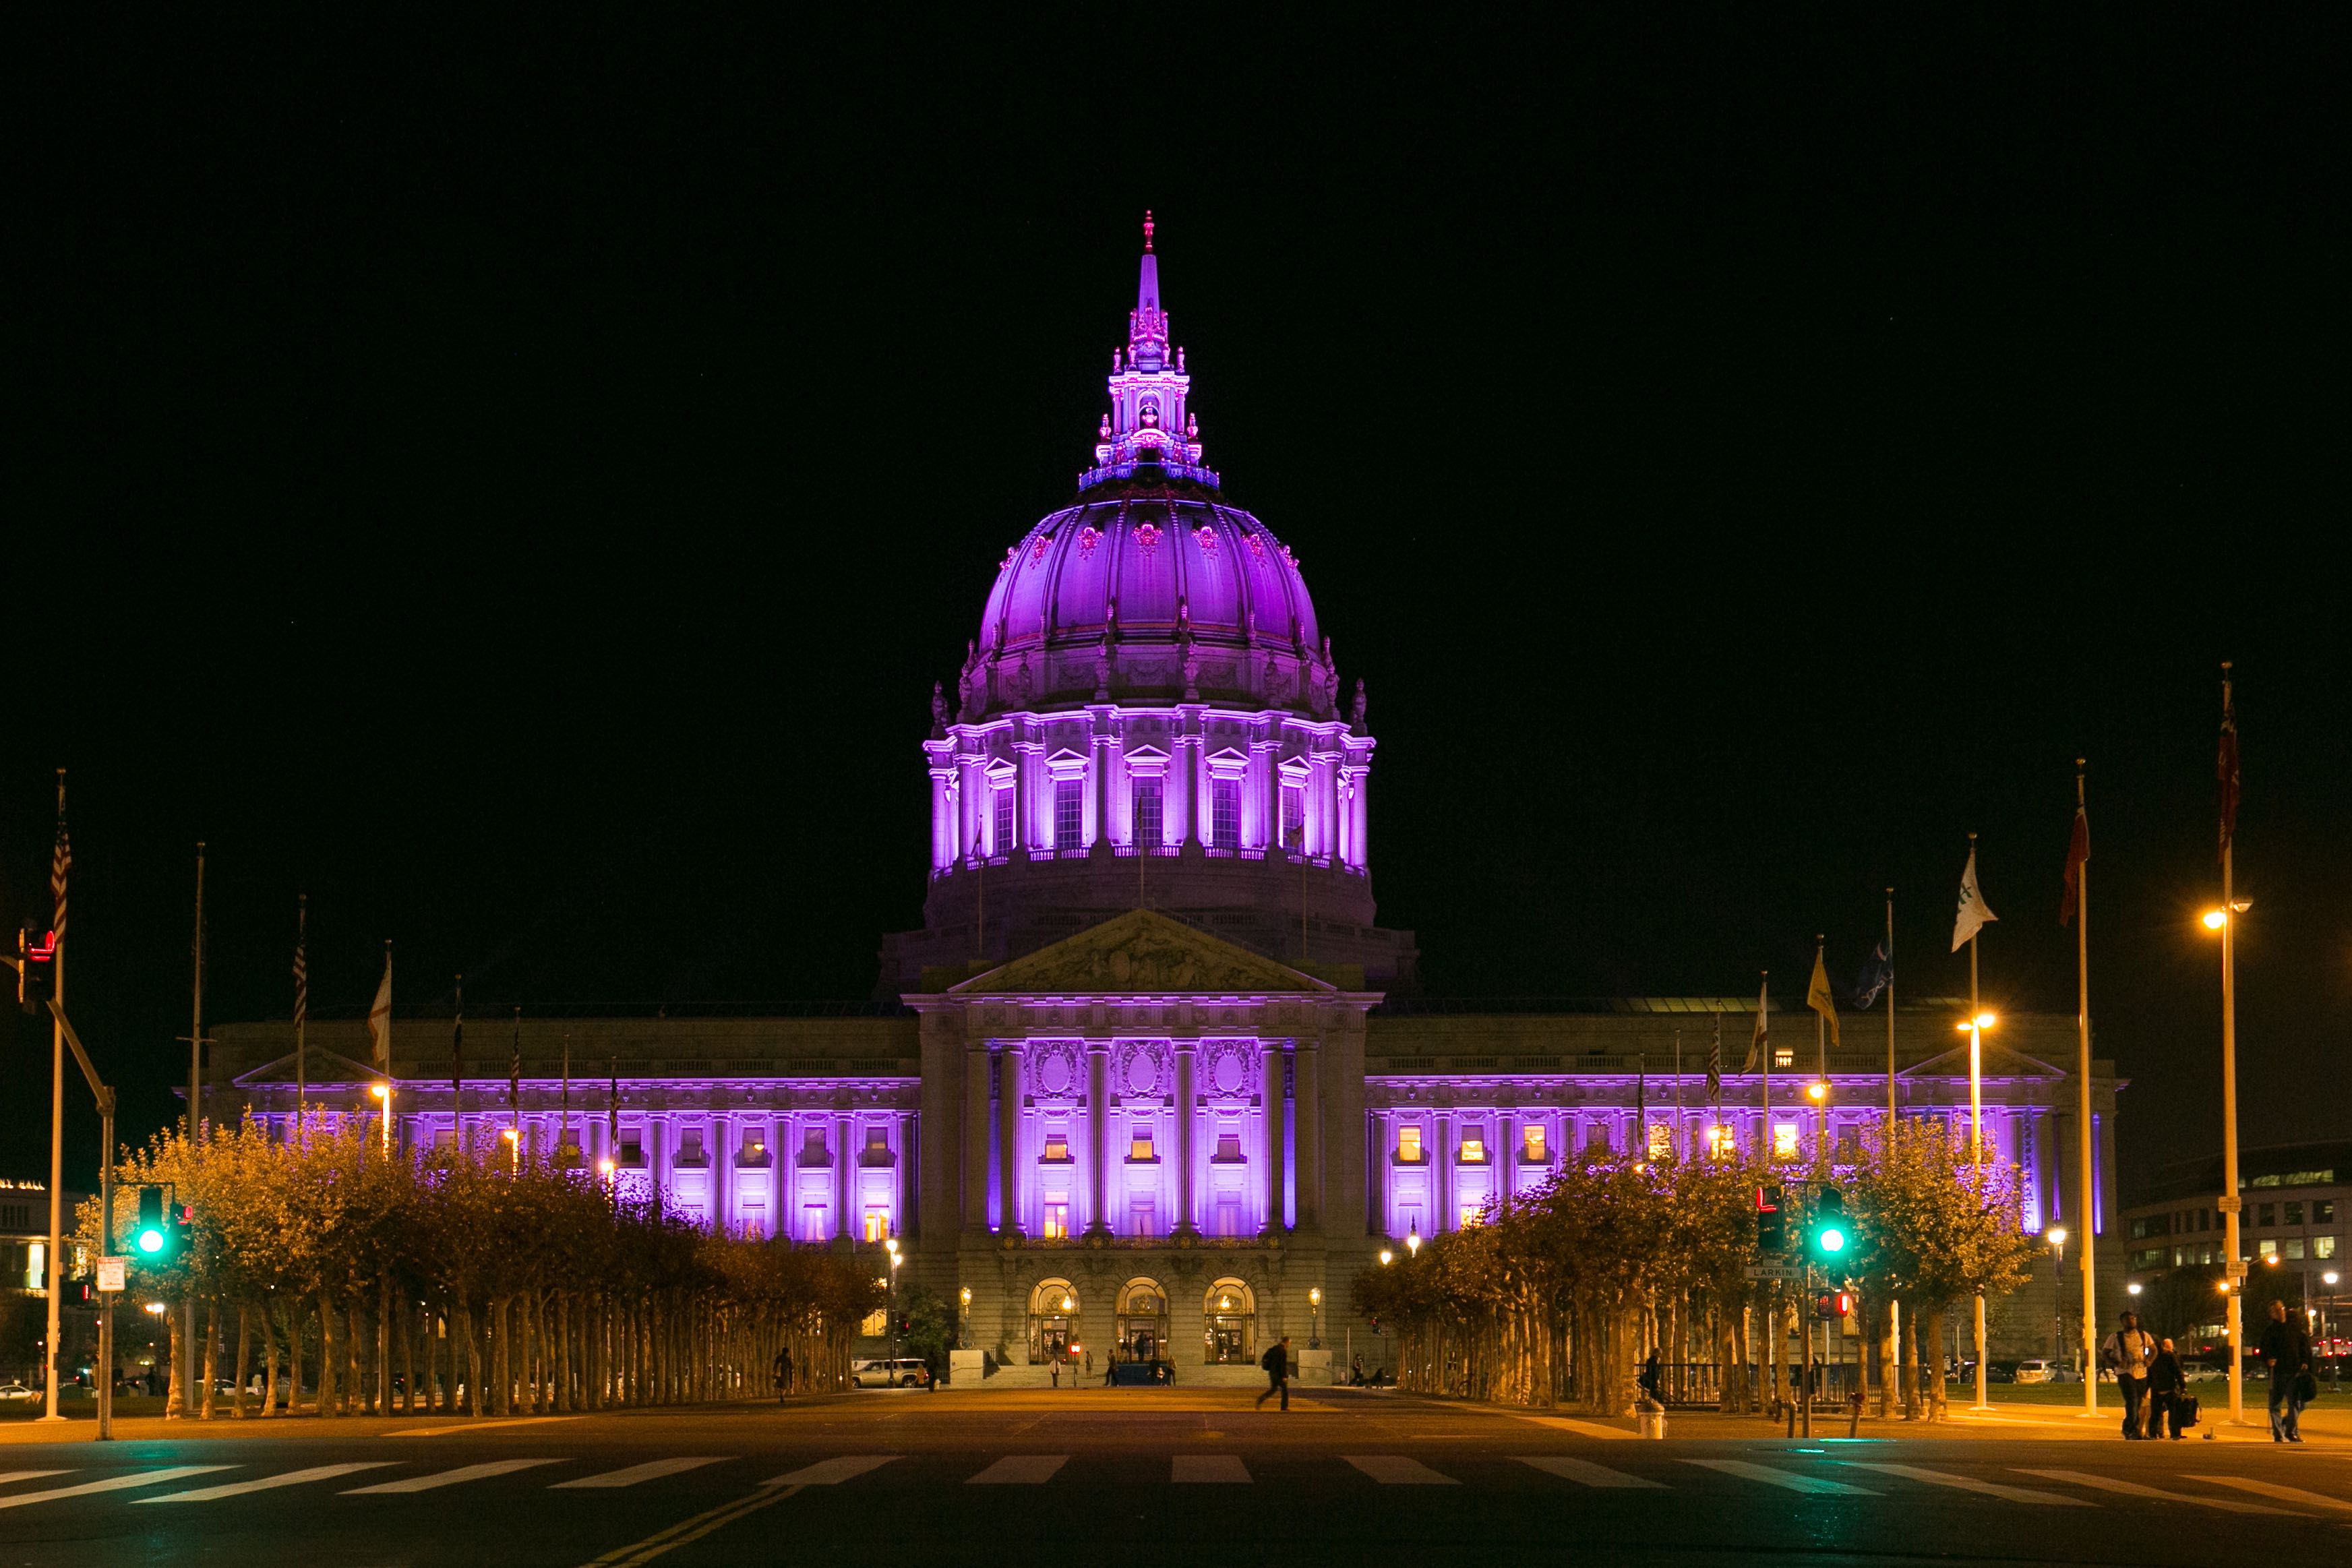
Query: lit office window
[1057, 1222]
[1531, 1149]
[1140, 1146]
[1409, 1145]
[1784, 1140]
[1474, 1146]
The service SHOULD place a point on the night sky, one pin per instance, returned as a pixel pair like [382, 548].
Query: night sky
[521, 493]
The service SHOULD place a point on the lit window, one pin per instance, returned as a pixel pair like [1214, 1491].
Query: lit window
[1532, 1149]
[1225, 813]
[2323, 1211]
[1721, 1144]
[1294, 816]
[813, 1222]
[1783, 1057]
[1662, 1141]
[1140, 1146]
[1474, 1147]
[1057, 1146]
[2266, 1248]
[1057, 1222]
[1001, 799]
[2323, 1247]
[877, 1142]
[877, 1224]
[1784, 1140]
[876, 1324]
[1229, 1146]
[1472, 1213]
[1148, 820]
[1069, 813]
[2292, 1247]
[1409, 1145]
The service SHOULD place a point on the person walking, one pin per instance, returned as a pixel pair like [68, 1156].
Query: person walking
[2127, 1352]
[783, 1374]
[2286, 1346]
[1277, 1362]
[1356, 1372]
[1090, 1365]
[2168, 1392]
[1653, 1378]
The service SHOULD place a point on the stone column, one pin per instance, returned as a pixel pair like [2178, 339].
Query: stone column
[1008, 1132]
[842, 1188]
[1503, 1158]
[1270, 1101]
[1309, 1165]
[1187, 1055]
[1098, 1145]
[1442, 1200]
[975, 1137]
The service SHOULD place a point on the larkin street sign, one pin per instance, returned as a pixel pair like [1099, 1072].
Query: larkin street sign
[1774, 1271]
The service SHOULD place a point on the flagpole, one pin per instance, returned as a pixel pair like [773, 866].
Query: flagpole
[2233, 1274]
[1976, 1118]
[188, 1375]
[54, 1264]
[1890, 1018]
[457, 1071]
[301, 1007]
[1764, 1058]
[1821, 1048]
[2083, 1113]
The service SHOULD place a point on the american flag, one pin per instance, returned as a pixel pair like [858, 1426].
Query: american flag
[514, 1069]
[457, 1050]
[1714, 1063]
[60, 862]
[2225, 766]
[301, 961]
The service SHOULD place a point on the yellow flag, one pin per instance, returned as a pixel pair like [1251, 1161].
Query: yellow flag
[1817, 996]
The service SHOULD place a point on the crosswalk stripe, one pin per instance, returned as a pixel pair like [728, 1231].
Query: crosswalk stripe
[112, 1484]
[1020, 1470]
[653, 1469]
[1586, 1472]
[1210, 1467]
[831, 1472]
[449, 1478]
[1581, 1429]
[1396, 1471]
[7, 1476]
[2272, 1489]
[1812, 1484]
[478, 1426]
[2132, 1489]
[265, 1483]
[1971, 1484]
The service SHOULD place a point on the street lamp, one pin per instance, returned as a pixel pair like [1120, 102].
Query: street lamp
[1413, 1239]
[2057, 1235]
[1977, 1022]
[1315, 1318]
[963, 1319]
[890, 1291]
[382, 1092]
[2133, 1288]
[1387, 1258]
[2224, 920]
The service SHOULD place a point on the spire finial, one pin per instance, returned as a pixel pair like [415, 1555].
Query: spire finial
[1147, 228]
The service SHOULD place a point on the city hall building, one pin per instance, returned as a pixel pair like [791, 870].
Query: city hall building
[1152, 1075]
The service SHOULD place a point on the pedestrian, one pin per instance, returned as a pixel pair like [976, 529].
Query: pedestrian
[1277, 1362]
[1111, 1367]
[2286, 1346]
[1356, 1373]
[1053, 1365]
[1090, 1364]
[1653, 1378]
[2127, 1352]
[783, 1374]
[2168, 1392]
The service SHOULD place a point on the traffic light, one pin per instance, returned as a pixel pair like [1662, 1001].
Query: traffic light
[37, 967]
[1831, 1306]
[1772, 1220]
[155, 1237]
[184, 1221]
[1830, 1236]
[1376, 1323]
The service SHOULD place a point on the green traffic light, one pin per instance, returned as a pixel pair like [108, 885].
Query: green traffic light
[1831, 1239]
[151, 1240]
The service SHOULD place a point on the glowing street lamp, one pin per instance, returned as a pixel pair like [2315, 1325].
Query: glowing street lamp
[383, 1092]
[1315, 1318]
[1387, 1258]
[2224, 920]
[2056, 1236]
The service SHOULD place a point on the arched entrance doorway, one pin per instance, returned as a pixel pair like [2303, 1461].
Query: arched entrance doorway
[1052, 1320]
[1143, 1320]
[1231, 1312]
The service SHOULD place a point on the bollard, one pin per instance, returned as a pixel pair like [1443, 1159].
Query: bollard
[1854, 1416]
[1652, 1417]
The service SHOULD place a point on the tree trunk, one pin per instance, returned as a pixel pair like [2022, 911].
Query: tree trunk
[361, 1385]
[243, 1358]
[1932, 1388]
[212, 1360]
[268, 1364]
[406, 1336]
[383, 1346]
[328, 1403]
[174, 1395]
[291, 1310]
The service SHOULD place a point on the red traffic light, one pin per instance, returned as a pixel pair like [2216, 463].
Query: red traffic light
[1767, 1200]
[1845, 1303]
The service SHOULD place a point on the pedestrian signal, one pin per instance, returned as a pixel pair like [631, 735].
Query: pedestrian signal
[37, 967]
[1833, 1305]
[1771, 1221]
[1830, 1236]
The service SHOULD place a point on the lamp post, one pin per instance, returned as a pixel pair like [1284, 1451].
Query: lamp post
[1387, 1258]
[963, 1319]
[382, 1093]
[891, 1292]
[2057, 1234]
[1315, 1318]
[2224, 920]
[1413, 1239]
[1978, 1022]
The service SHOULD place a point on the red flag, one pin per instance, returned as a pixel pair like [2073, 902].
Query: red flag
[2226, 765]
[2078, 850]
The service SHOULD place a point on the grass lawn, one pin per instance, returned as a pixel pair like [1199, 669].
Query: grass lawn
[2065, 1394]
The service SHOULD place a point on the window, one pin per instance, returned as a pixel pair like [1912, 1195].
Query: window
[1531, 1150]
[1294, 816]
[1721, 1143]
[755, 1147]
[1472, 1214]
[1597, 1139]
[1142, 1217]
[877, 1224]
[632, 1156]
[1229, 1147]
[1225, 813]
[2266, 1248]
[1140, 1146]
[1784, 1140]
[1001, 809]
[2292, 1247]
[2266, 1213]
[1784, 1056]
[1408, 1146]
[2323, 1247]
[2295, 1211]
[813, 1222]
[1057, 1145]
[2147, 1257]
[2204, 1219]
[2323, 1211]
[1149, 833]
[1069, 813]
[1229, 1215]
[1660, 1140]
[876, 1325]
[1474, 1146]
[2139, 1229]
[878, 1146]
[1057, 1222]
[689, 1148]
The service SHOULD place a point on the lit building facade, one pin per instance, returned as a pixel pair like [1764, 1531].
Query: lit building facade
[1150, 1076]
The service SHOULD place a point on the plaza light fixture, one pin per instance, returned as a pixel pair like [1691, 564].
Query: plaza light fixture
[1315, 1296]
[1818, 1090]
[1387, 1258]
[2215, 920]
[2057, 1234]
[2328, 1279]
[1068, 1305]
[1413, 1239]
[1981, 1021]
[156, 1307]
[966, 1296]
[2133, 1288]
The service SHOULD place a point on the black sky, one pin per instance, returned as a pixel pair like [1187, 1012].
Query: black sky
[520, 491]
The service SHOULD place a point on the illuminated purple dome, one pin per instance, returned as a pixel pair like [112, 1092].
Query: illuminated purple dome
[1150, 588]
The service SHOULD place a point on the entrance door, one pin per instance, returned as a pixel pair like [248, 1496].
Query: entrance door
[1229, 1340]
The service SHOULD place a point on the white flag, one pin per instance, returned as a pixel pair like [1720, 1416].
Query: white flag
[1973, 913]
[380, 1019]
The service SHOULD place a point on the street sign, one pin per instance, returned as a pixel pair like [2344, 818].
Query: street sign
[1772, 1271]
[109, 1273]
[2234, 1269]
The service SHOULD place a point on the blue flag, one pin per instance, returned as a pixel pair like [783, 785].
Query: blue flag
[1878, 975]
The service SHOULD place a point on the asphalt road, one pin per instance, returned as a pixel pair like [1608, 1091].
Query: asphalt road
[1159, 1476]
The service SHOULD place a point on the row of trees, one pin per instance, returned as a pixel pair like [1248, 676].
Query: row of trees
[466, 1280]
[1557, 1296]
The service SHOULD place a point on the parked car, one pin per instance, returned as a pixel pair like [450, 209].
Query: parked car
[2194, 1370]
[2038, 1371]
[904, 1373]
[18, 1390]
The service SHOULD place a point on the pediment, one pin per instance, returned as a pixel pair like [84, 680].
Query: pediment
[1999, 1061]
[1142, 950]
